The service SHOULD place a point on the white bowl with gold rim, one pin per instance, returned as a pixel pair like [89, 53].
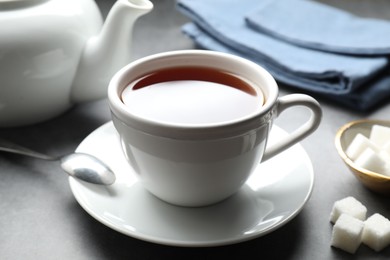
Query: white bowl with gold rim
[374, 181]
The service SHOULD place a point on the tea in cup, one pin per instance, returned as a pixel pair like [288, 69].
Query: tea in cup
[194, 124]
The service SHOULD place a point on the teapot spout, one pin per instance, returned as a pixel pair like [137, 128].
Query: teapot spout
[107, 52]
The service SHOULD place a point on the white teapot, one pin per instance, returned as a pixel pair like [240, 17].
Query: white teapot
[55, 53]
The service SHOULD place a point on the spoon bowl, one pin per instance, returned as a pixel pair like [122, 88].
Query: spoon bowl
[82, 166]
[87, 168]
[372, 180]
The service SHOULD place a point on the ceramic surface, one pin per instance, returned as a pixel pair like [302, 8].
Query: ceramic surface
[54, 53]
[175, 159]
[372, 180]
[275, 193]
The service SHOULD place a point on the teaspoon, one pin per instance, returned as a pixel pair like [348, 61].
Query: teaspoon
[83, 166]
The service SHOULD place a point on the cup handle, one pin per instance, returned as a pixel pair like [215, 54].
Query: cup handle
[301, 132]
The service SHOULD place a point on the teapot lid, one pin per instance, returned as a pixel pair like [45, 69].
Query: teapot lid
[9, 4]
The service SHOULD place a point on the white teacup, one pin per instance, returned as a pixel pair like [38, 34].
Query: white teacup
[200, 163]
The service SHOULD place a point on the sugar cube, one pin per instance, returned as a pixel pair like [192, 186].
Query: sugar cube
[371, 161]
[386, 148]
[349, 206]
[379, 135]
[376, 232]
[347, 233]
[385, 155]
[358, 145]
[386, 158]
[372, 153]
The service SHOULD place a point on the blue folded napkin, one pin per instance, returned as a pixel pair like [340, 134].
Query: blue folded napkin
[365, 98]
[220, 25]
[319, 26]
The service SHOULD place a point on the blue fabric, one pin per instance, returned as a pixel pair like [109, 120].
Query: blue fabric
[220, 25]
[319, 26]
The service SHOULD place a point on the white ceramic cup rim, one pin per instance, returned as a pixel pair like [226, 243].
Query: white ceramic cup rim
[234, 64]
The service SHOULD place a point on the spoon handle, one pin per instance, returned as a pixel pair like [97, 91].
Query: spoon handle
[9, 147]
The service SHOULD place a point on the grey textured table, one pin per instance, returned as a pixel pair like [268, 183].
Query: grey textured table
[40, 219]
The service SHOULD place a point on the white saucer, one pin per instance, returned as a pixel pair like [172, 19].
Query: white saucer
[275, 194]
